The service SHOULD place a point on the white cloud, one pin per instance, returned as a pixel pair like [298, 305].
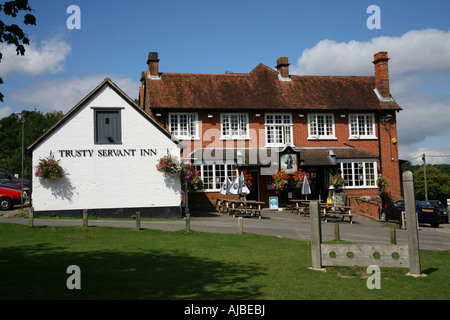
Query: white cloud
[437, 155]
[47, 56]
[414, 52]
[419, 72]
[5, 111]
[64, 94]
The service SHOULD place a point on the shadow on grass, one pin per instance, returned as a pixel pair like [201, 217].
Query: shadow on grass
[39, 272]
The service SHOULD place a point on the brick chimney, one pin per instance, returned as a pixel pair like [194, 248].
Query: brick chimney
[382, 73]
[153, 64]
[283, 68]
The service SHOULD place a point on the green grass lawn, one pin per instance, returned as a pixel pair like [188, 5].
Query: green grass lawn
[121, 263]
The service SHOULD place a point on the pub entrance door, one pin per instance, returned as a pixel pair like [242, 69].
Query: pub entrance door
[254, 190]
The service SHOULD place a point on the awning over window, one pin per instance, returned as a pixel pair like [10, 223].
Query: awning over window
[267, 157]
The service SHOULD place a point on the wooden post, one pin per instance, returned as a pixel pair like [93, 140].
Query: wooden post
[85, 218]
[138, 221]
[316, 235]
[393, 236]
[240, 226]
[30, 217]
[337, 235]
[188, 222]
[411, 220]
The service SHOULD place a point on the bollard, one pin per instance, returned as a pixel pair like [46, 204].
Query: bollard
[337, 235]
[411, 220]
[393, 236]
[240, 226]
[30, 217]
[188, 222]
[85, 218]
[138, 221]
[316, 235]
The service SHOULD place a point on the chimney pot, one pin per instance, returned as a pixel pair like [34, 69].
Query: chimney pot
[283, 67]
[153, 64]
[382, 73]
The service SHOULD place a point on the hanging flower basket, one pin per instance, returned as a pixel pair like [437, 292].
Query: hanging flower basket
[337, 182]
[382, 183]
[190, 176]
[168, 165]
[49, 168]
[281, 181]
[299, 177]
[186, 171]
[248, 179]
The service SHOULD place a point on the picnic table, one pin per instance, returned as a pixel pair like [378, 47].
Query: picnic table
[239, 207]
[300, 206]
[336, 212]
[328, 210]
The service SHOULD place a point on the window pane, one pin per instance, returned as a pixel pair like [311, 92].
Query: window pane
[193, 125]
[208, 177]
[370, 174]
[358, 173]
[226, 125]
[347, 173]
[243, 124]
[369, 125]
[354, 125]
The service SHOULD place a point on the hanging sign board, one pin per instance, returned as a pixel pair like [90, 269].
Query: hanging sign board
[289, 160]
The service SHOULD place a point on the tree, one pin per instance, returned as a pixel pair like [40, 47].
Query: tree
[438, 184]
[36, 123]
[13, 34]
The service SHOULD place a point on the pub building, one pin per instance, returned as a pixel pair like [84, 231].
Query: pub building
[244, 122]
[224, 124]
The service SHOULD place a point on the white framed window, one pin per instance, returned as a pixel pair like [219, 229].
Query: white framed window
[359, 173]
[278, 129]
[184, 125]
[362, 126]
[321, 126]
[213, 175]
[234, 126]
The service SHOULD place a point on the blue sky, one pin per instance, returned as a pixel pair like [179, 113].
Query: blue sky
[327, 37]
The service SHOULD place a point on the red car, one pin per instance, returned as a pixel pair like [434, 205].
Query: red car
[10, 196]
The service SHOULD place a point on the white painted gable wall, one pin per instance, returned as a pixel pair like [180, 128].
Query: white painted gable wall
[106, 182]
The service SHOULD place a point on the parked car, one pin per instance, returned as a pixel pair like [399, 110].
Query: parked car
[10, 196]
[443, 211]
[426, 213]
[7, 177]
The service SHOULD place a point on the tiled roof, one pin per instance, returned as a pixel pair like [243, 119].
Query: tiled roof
[261, 89]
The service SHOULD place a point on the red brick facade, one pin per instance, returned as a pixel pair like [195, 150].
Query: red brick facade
[264, 91]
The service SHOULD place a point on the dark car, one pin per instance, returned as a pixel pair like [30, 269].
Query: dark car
[8, 178]
[10, 196]
[426, 213]
[443, 211]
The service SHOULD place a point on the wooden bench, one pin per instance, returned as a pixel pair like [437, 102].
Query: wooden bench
[338, 216]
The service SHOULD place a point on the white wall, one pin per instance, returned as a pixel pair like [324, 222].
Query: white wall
[105, 182]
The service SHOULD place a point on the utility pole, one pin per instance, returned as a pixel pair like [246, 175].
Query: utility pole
[425, 176]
